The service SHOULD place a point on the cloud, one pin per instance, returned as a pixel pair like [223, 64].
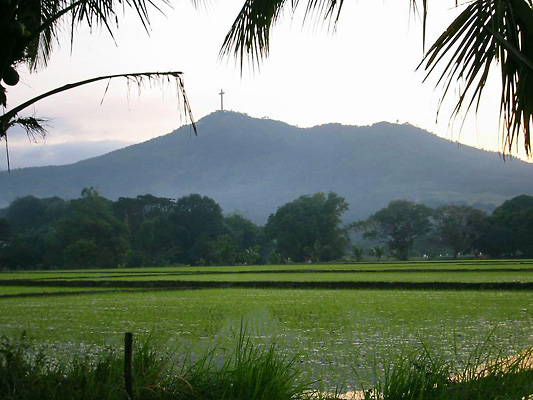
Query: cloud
[41, 154]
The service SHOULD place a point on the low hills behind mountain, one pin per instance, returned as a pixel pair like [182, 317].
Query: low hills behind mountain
[256, 165]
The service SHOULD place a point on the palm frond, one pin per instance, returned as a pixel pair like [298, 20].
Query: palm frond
[485, 33]
[138, 79]
[34, 127]
[44, 35]
[52, 14]
[249, 35]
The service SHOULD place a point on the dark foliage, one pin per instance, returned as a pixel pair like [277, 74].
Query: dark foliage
[459, 228]
[398, 225]
[309, 228]
[510, 230]
[94, 232]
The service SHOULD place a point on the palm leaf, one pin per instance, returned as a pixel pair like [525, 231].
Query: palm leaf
[249, 36]
[488, 32]
[8, 119]
[43, 18]
[250, 32]
[33, 127]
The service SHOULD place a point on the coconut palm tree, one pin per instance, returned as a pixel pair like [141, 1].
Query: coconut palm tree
[486, 34]
[29, 30]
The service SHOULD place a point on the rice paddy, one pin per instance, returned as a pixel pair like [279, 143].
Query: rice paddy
[334, 332]
[32, 290]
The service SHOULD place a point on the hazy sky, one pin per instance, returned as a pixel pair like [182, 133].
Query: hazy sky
[361, 74]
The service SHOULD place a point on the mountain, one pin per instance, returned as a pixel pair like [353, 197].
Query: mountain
[256, 165]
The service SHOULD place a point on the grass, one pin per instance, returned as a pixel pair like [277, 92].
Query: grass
[425, 374]
[251, 372]
[333, 331]
[435, 276]
[508, 275]
[24, 290]
[517, 265]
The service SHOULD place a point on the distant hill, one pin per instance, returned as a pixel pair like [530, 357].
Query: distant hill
[256, 165]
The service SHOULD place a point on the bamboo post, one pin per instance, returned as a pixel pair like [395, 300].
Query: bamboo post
[128, 350]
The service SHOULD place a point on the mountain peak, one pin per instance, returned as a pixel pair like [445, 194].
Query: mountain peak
[255, 165]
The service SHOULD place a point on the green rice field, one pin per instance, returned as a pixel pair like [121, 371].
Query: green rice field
[27, 290]
[508, 266]
[436, 276]
[334, 332]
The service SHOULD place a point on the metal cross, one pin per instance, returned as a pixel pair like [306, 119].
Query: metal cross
[222, 93]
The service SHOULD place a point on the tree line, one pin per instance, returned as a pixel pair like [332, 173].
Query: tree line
[405, 226]
[94, 232]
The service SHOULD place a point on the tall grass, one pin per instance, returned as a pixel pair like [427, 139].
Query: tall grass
[26, 372]
[251, 372]
[484, 375]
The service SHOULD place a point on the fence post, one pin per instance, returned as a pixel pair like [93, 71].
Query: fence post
[128, 350]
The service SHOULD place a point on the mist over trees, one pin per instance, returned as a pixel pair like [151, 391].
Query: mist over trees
[94, 232]
[256, 165]
[453, 229]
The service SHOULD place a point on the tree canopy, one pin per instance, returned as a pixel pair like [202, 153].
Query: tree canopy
[397, 225]
[458, 227]
[515, 217]
[91, 236]
[309, 228]
[92, 231]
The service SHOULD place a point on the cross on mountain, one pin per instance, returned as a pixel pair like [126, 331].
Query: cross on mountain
[222, 93]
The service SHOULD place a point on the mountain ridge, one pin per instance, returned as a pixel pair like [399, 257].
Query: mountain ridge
[256, 165]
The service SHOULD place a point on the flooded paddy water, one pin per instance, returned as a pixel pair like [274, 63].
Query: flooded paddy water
[337, 336]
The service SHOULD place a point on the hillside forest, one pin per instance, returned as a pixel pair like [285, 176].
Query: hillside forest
[94, 232]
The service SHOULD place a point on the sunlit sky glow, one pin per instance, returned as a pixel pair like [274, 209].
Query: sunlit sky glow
[359, 75]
